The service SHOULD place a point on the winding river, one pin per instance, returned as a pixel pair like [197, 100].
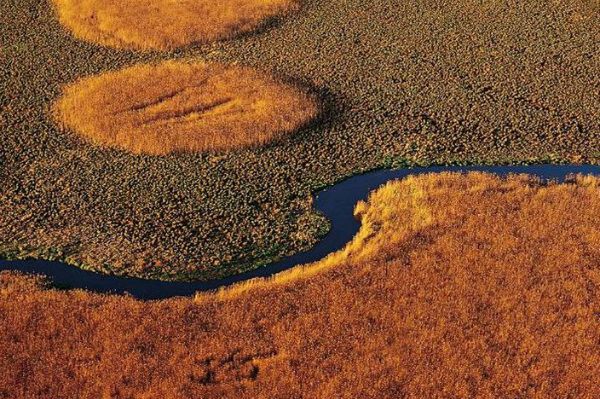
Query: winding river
[336, 203]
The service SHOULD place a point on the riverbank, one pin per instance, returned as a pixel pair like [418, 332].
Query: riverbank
[454, 284]
[336, 203]
[416, 83]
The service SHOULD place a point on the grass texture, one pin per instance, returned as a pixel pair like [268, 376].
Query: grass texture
[165, 24]
[401, 83]
[179, 106]
[455, 286]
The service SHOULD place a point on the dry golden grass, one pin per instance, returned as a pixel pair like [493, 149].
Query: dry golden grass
[180, 106]
[165, 24]
[455, 287]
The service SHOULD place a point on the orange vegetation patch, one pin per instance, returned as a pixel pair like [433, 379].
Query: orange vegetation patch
[183, 106]
[454, 287]
[165, 24]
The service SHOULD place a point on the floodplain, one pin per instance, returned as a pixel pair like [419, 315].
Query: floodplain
[416, 83]
[183, 142]
[460, 286]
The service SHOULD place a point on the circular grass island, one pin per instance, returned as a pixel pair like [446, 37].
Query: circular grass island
[180, 106]
[165, 24]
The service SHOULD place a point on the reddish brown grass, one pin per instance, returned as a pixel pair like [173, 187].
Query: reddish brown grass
[183, 106]
[165, 24]
[455, 287]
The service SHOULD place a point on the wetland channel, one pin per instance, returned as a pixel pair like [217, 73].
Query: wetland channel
[336, 203]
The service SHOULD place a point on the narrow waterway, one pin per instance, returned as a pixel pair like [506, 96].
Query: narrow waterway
[336, 203]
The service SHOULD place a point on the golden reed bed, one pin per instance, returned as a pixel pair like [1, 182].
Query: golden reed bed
[178, 106]
[165, 24]
[454, 287]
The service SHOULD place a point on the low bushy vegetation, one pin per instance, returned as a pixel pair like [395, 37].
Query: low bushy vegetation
[179, 106]
[416, 83]
[456, 286]
[165, 24]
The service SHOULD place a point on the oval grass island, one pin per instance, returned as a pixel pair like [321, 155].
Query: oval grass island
[163, 24]
[337, 203]
[179, 106]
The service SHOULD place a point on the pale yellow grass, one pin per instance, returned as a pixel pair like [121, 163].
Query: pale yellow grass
[165, 24]
[178, 106]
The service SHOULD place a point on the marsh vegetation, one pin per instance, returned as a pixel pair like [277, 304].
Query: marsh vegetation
[165, 24]
[455, 285]
[414, 83]
[179, 106]
[466, 286]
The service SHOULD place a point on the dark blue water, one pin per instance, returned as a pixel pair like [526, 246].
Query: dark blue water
[336, 203]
